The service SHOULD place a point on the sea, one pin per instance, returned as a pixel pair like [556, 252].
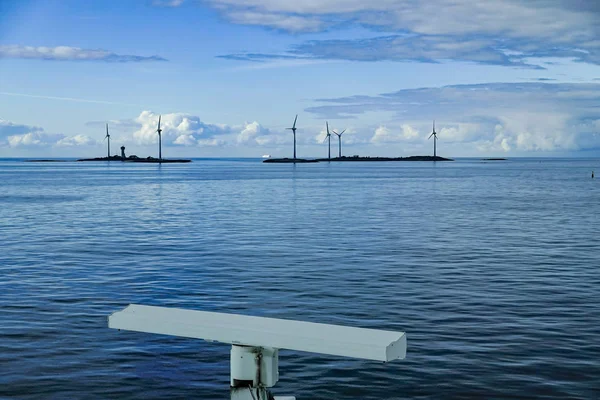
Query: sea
[492, 268]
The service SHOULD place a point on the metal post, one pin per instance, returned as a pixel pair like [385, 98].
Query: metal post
[294, 144]
[253, 371]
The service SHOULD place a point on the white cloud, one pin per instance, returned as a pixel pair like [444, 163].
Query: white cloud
[500, 143]
[409, 133]
[185, 140]
[67, 53]
[290, 23]
[384, 135]
[34, 139]
[77, 140]
[177, 129]
[28, 139]
[251, 132]
[461, 132]
[18, 135]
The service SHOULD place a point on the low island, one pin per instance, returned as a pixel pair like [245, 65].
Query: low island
[289, 161]
[357, 158]
[136, 159]
[45, 160]
[410, 158]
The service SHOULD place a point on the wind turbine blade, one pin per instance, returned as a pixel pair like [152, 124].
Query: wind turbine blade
[342, 132]
[430, 136]
[295, 119]
[327, 124]
[159, 121]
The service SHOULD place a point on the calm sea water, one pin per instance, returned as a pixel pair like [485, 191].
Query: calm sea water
[492, 269]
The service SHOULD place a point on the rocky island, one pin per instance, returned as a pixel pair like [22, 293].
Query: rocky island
[289, 161]
[410, 158]
[136, 159]
[357, 158]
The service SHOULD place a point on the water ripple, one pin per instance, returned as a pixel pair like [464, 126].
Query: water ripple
[491, 269]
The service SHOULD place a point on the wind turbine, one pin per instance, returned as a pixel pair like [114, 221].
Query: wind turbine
[108, 137]
[339, 135]
[328, 137]
[293, 128]
[159, 139]
[434, 134]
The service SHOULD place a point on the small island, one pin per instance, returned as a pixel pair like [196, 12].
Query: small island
[354, 158]
[289, 161]
[410, 158]
[45, 160]
[357, 158]
[136, 159]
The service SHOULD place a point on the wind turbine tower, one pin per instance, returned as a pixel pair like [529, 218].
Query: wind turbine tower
[339, 135]
[328, 137]
[159, 139]
[434, 134]
[293, 128]
[108, 137]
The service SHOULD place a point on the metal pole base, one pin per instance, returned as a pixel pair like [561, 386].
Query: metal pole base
[253, 370]
[250, 393]
[256, 394]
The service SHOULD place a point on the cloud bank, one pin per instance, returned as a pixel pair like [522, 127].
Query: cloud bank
[25, 136]
[503, 117]
[507, 118]
[494, 32]
[66, 53]
[182, 129]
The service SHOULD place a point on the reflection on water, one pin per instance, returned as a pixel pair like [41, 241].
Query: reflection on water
[491, 269]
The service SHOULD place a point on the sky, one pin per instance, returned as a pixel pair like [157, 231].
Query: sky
[500, 78]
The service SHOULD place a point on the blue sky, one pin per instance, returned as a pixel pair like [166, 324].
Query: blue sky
[512, 77]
